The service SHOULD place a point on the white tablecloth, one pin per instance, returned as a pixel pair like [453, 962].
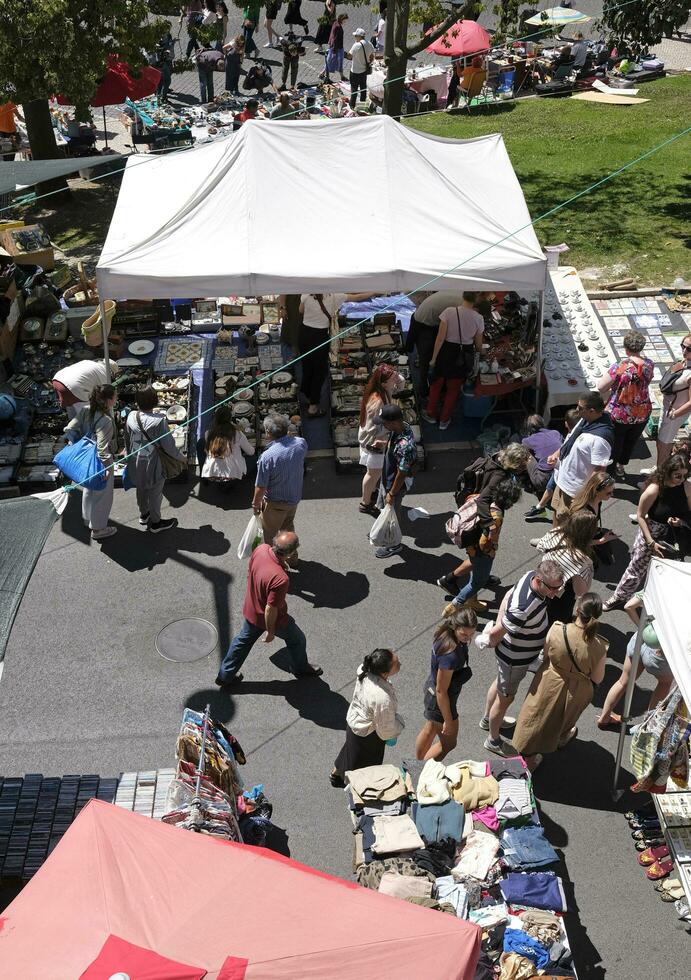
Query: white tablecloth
[570, 372]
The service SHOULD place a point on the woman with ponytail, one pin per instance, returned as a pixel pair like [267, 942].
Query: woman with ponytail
[574, 663]
[372, 720]
[383, 384]
[96, 419]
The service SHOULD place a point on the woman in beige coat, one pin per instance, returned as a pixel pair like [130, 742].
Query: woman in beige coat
[574, 662]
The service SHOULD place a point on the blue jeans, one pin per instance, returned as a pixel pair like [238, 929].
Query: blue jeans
[479, 573]
[206, 83]
[239, 649]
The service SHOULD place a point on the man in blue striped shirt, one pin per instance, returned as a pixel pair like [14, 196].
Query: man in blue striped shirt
[280, 471]
[518, 637]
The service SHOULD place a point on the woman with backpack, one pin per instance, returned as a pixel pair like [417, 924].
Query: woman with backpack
[629, 403]
[481, 540]
[676, 403]
[225, 444]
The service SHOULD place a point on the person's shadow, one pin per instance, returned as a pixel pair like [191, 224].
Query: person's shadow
[138, 549]
[326, 588]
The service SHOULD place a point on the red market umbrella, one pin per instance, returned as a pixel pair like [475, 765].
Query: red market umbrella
[466, 37]
[117, 84]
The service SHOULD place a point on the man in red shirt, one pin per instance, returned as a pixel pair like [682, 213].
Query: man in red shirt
[265, 610]
[249, 112]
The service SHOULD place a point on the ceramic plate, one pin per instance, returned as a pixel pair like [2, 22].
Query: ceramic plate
[245, 396]
[176, 413]
[141, 347]
[282, 378]
[128, 362]
[180, 384]
[242, 408]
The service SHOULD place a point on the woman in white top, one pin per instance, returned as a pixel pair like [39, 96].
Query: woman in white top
[383, 384]
[225, 444]
[372, 720]
[676, 405]
[570, 546]
[459, 338]
[317, 311]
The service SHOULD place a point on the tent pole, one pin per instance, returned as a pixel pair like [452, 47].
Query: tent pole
[104, 334]
[105, 128]
[628, 698]
[538, 365]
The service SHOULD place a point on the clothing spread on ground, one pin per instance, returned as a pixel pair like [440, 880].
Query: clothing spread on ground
[465, 839]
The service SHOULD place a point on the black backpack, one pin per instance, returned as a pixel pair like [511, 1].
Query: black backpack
[471, 479]
[671, 376]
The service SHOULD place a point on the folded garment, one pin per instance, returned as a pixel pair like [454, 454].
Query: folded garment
[393, 834]
[527, 847]
[413, 767]
[432, 786]
[472, 792]
[376, 783]
[536, 889]
[513, 799]
[478, 854]
[369, 875]
[450, 890]
[432, 903]
[543, 926]
[435, 858]
[476, 769]
[467, 826]
[439, 820]
[517, 941]
[514, 766]
[488, 816]
[487, 916]
[404, 886]
[373, 807]
[516, 967]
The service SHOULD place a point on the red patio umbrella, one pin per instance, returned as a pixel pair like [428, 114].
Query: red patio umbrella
[466, 37]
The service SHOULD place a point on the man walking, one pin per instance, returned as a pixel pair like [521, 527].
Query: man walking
[586, 450]
[400, 460]
[280, 472]
[361, 56]
[265, 610]
[518, 637]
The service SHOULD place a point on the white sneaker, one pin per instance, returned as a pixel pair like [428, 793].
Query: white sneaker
[648, 470]
[268, 44]
[444, 425]
[633, 518]
[534, 542]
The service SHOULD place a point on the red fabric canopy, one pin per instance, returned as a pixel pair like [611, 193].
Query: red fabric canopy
[118, 84]
[466, 37]
[213, 904]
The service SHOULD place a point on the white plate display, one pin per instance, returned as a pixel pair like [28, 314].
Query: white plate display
[282, 378]
[242, 408]
[141, 347]
[128, 362]
[180, 384]
[245, 396]
[176, 413]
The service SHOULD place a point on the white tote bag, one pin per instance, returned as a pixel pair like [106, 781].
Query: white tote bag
[254, 535]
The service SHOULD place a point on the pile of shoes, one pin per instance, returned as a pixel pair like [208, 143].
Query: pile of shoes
[655, 858]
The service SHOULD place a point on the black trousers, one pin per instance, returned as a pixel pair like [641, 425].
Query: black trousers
[290, 65]
[358, 83]
[422, 338]
[625, 438]
[315, 364]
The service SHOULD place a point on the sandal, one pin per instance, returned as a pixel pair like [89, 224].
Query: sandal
[652, 854]
[669, 884]
[648, 842]
[660, 869]
[643, 832]
[613, 722]
[672, 894]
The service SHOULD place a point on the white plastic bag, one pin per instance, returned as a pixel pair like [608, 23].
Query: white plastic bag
[386, 531]
[254, 535]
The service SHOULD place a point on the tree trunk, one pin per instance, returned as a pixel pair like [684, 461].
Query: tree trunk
[397, 65]
[39, 129]
[395, 55]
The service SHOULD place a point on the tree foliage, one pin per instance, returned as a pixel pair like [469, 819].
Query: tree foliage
[643, 23]
[62, 46]
[507, 14]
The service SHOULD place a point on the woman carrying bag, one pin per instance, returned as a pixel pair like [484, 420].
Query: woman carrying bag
[148, 437]
[372, 721]
[96, 420]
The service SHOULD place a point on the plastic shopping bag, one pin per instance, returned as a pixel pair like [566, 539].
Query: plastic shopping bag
[254, 535]
[80, 462]
[386, 531]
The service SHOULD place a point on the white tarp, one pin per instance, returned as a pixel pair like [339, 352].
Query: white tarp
[320, 206]
[667, 597]
[23, 173]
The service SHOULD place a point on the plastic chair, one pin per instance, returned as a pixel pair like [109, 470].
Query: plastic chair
[475, 87]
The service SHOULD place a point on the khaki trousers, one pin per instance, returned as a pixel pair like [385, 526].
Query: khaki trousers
[277, 516]
[561, 502]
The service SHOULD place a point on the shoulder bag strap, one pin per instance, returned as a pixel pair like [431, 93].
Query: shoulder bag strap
[324, 310]
[570, 653]
[141, 428]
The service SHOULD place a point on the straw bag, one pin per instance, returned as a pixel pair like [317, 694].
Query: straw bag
[91, 328]
[84, 293]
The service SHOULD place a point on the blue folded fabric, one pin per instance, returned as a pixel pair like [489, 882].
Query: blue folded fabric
[437, 821]
[450, 890]
[534, 889]
[527, 847]
[517, 941]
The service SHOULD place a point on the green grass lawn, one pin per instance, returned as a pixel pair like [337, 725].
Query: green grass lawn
[639, 223]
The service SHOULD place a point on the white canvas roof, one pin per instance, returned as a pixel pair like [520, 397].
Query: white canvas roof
[359, 204]
[667, 597]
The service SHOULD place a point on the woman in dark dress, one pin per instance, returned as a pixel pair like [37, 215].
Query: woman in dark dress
[324, 25]
[294, 16]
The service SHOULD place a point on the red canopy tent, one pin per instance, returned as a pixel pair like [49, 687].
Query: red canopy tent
[122, 892]
[466, 37]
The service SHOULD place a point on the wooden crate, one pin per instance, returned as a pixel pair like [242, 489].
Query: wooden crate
[44, 257]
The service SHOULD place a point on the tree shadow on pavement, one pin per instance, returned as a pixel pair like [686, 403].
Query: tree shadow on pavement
[326, 588]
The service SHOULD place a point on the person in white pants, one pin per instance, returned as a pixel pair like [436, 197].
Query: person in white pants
[97, 418]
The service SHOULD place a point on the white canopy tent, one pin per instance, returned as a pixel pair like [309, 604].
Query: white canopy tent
[321, 206]
[666, 600]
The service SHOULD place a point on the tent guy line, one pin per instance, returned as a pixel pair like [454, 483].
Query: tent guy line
[391, 307]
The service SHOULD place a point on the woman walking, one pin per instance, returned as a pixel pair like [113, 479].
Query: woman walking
[449, 671]
[147, 436]
[629, 402]
[372, 721]
[665, 504]
[334, 56]
[294, 16]
[271, 13]
[574, 661]
[570, 545]
[324, 25]
[96, 419]
[225, 443]
[383, 384]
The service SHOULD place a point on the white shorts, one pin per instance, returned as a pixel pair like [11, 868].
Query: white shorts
[668, 428]
[373, 461]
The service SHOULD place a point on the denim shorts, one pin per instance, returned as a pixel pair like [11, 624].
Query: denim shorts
[653, 660]
[509, 677]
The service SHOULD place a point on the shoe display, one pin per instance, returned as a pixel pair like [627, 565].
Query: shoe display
[163, 525]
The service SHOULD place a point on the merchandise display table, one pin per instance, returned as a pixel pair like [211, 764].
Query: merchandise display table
[674, 810]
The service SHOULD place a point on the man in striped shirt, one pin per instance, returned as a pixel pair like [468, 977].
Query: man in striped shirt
[518, 637]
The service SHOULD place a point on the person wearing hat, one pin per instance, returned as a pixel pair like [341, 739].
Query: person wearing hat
[400, 460]
[361, 56]
[652, 659]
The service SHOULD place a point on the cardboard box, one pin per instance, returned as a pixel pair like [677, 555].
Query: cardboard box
[44, 257]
